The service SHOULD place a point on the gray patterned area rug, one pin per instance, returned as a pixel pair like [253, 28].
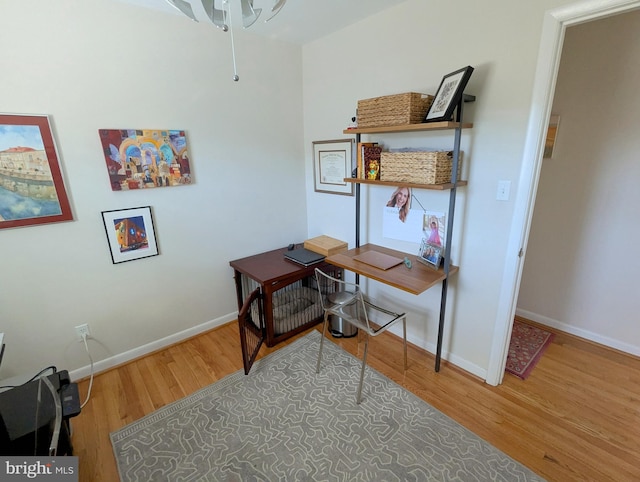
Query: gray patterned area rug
[282, 422]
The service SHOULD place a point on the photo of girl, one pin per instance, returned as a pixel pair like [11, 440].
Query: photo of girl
[434, 228]
[401, 199]
[434, 236]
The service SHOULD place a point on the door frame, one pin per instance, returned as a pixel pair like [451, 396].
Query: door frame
[554, 26]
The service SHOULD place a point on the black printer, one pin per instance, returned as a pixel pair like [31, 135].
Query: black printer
[34, 417]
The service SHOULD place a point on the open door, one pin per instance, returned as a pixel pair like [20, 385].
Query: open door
[252, 330]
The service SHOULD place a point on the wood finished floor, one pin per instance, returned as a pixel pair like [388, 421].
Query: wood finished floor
[576, 418]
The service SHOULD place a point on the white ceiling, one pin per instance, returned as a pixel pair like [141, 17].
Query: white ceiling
[299, 21]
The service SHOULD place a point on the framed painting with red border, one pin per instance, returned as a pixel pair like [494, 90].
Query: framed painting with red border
[31, 186]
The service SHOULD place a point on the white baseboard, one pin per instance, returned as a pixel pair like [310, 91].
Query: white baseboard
[107, 363]
[456, 360]
[587, 335]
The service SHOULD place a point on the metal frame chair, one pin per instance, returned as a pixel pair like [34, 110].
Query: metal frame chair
[346, 300]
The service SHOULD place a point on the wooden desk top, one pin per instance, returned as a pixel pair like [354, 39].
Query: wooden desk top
[415, 280]
[271, 267]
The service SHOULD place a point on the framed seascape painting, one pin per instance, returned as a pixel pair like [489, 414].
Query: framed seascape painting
[32, 190]
[139, 159]
[130, 233]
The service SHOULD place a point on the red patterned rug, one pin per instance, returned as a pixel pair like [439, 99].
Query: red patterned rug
[525, 349]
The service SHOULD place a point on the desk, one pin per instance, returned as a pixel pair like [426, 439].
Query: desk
[416, 280]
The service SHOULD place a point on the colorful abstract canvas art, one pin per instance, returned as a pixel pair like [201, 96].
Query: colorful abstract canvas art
[140, 159]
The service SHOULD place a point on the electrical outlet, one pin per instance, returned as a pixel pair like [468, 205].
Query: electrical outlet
[82, 330]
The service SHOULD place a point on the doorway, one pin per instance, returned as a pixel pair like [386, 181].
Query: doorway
[554, 25]
[580, 268]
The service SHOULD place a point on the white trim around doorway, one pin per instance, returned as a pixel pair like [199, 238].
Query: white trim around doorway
[554, 25]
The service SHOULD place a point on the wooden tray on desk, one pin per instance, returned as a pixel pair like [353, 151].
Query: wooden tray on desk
[378, 260]
[415, 280]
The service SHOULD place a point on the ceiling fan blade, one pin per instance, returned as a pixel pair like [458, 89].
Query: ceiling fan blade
[249, 14]
[276, 8]
[218, 16]
[184, 7]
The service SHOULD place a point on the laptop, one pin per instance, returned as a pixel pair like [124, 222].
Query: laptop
[304, 256]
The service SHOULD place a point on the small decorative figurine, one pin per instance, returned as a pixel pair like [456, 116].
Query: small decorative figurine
[374, 170]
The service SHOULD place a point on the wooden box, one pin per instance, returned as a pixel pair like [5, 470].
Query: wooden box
[325, 245]
[393, 110]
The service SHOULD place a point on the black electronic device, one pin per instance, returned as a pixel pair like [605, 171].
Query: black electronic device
[32, 415]
[70, 398]
[304, 256]
[291, 247]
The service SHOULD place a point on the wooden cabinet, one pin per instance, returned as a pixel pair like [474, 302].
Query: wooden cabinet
[277, 299]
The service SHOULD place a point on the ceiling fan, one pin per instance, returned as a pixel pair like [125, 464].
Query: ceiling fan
[221, 17]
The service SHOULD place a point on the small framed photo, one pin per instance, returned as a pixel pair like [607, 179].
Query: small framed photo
[130, 234]
[430, 254]
[332, 163]
[448, 95]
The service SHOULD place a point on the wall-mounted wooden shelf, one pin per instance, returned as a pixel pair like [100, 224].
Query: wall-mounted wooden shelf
[429, 126]
[435, 187]
[448, 269]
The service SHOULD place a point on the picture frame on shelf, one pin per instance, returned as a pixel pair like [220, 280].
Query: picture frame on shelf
[430, 254]
[130, 233]
[448, 95]
[332, 163]
[30, 173]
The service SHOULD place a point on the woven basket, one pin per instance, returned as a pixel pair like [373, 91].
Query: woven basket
[421, 167]
[393, 110]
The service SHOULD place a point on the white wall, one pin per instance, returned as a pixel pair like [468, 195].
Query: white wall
[93, 64]
[410, 48]
[580, 273]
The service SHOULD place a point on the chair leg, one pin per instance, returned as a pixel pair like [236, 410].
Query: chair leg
[404, 332]
[324, 331]
[364, 364]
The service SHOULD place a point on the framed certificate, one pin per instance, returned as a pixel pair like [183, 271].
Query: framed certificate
[332, 163]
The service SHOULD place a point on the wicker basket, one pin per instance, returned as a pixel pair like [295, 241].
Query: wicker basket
[393, 110]
[421, 167]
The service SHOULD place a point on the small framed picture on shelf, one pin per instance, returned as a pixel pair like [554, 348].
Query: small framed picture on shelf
[430, 254]
[448, 95]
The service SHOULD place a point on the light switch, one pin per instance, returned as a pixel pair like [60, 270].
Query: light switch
[504, 188]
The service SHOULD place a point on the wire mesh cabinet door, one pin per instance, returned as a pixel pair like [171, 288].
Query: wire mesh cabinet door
[251, 324]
